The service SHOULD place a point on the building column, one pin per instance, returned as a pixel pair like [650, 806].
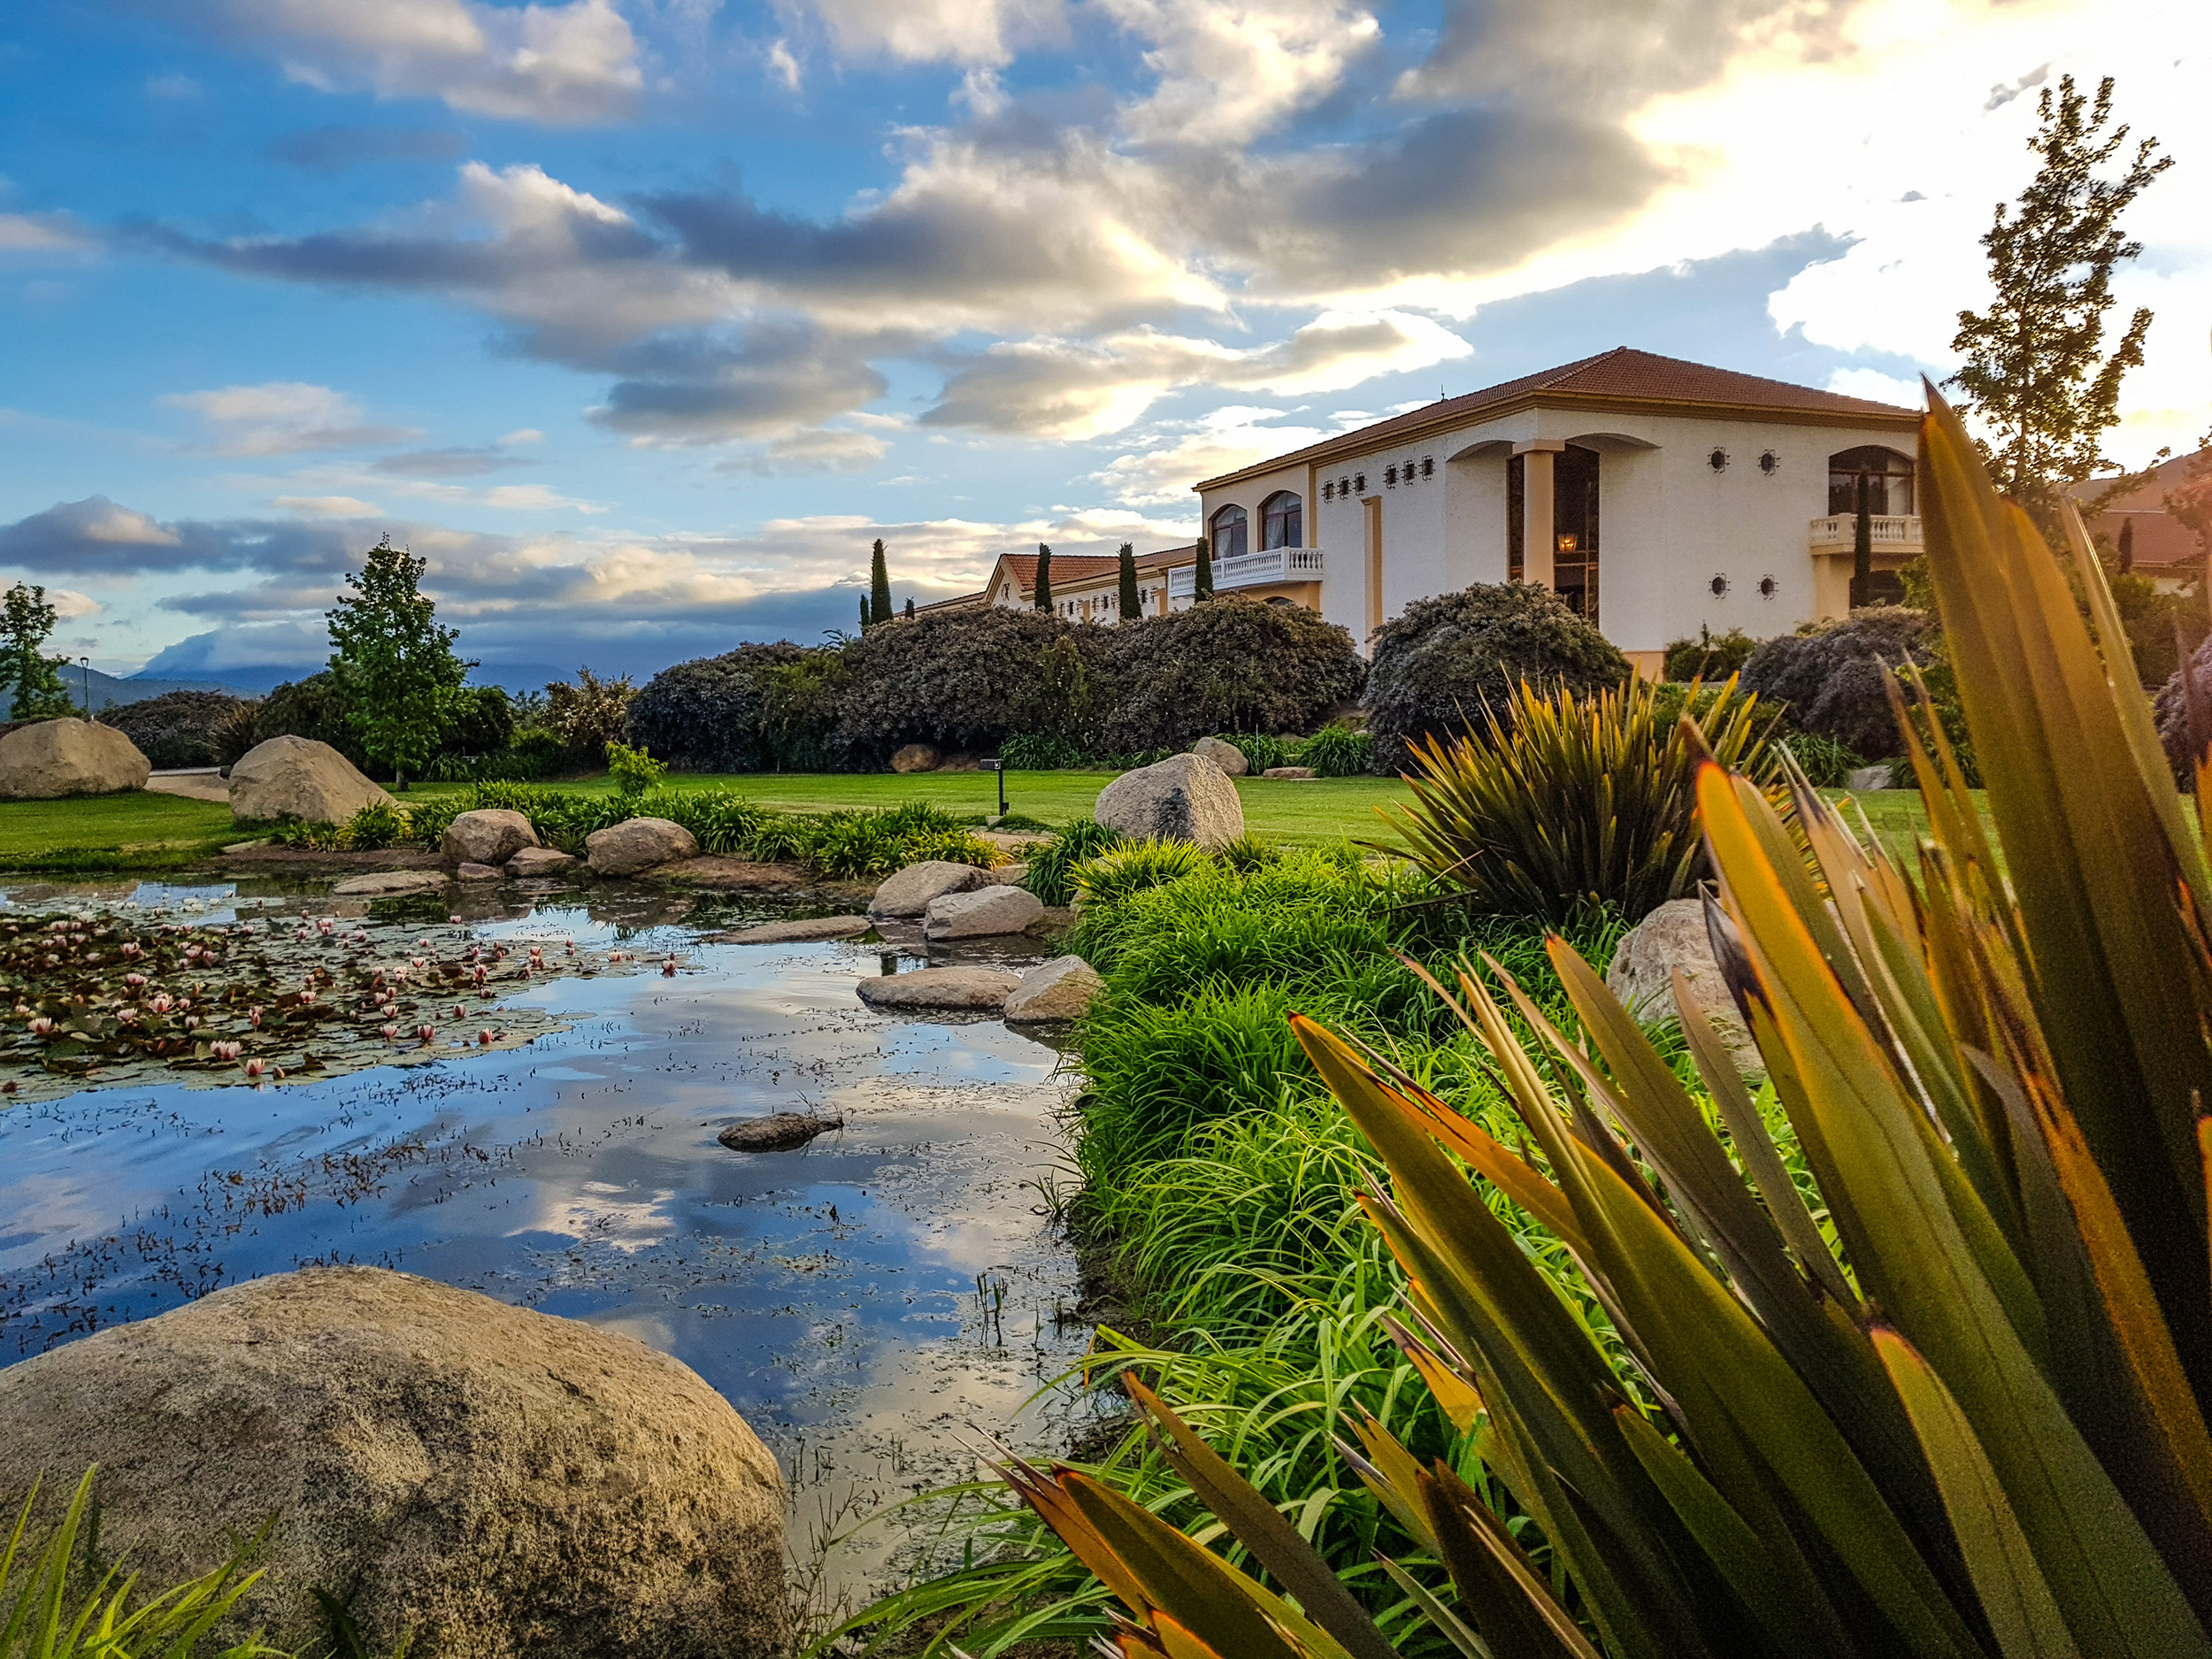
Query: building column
[1371, 506]
[1537, 498]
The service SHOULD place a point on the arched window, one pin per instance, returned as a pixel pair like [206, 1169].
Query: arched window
[1282, 520]
[1887, 475]
[1228, 533]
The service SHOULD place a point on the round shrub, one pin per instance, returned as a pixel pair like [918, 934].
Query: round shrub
[1229, 665]
[180, 728]
[478, 720]
[1711, 655]
[2171, 709]
[1436, 665]
[967, 680]
[759, 708]
[1836, 678]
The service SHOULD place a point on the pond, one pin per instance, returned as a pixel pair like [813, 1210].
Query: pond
[877, 1305]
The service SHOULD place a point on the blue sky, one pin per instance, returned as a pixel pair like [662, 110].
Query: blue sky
[640, 318]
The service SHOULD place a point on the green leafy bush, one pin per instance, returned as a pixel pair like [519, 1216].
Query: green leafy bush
[588, 713]
[1582, 802]
[1835, 679]
[316, 708]
[1437, 664]
[1826, 763]
[1247, 853]
[759, 708]
[1711, 655]
[634, 771]
[378, 825]
[1024, 752]
[966, 680]
[1338, 750]
[1050, 866]
[1231, 665]
[1132, 866]
[180, 728]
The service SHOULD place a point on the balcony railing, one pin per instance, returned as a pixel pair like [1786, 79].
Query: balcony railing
[1251, 570]
[1892, 533]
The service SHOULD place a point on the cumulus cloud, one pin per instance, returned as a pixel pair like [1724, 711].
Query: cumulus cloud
[327, 506]
[335, 149]
[765, 382]
[821, 449]
[1227, 73]
[95, 535]
[1220, 442]
[1081, 389]
[567, 66]
[986, 32]
[283, 418]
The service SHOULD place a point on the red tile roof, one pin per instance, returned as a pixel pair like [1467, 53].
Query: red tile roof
[1622, 374]
[2161, 542]
[1069, 568]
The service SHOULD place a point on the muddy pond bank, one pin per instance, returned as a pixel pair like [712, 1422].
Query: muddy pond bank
[874, 1304]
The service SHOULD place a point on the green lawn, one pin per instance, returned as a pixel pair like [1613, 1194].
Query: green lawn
[142, 830]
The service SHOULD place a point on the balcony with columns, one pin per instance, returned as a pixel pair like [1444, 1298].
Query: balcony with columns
[1268, 568]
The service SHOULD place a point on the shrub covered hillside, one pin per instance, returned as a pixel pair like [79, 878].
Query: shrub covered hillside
[1435, 666]
[759, 708]
[181, 728]
[1228, 666]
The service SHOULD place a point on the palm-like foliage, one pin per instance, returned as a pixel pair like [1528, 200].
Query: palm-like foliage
[1569, 800]
[1974, 1423]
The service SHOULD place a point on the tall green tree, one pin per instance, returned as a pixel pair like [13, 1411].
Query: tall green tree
[2036, 372]
[1131, 603]
[879, 585]
[1202, 585]
[26, 621]
[1044, 577]
[394, 660]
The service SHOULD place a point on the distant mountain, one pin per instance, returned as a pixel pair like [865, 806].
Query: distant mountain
[106, 688]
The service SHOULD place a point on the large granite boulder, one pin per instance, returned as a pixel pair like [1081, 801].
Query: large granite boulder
[910, 893]
[59, 758]
[1224, 755]
[1060, 989]
[638, 843]
[489, 835]
[297, 777]
[916, 757]
[1641, 977]
[390, 884]
[490, 1480]
[538, 861]
[1183, 798]
[982, 913]
[959, 990]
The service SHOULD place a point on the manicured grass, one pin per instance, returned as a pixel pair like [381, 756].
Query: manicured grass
[1308, 813]
[140, 830]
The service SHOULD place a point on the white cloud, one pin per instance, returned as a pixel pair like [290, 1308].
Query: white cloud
[173, 85]
[573, 65]
[69, 604]
[939, 31]
[1220, 441]
[1229, 72]
[817, 450]
[327, 506]
[1872, 383]
[41, 233]
[283, 418]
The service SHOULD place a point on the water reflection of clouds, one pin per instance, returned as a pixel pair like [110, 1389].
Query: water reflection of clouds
[599, 1213]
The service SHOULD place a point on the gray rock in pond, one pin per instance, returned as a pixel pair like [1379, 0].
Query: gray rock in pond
[1641, 977]
[477, 872]
[1226, 755]
[916, 757]
[62, 757]
[538, 861]
[1868, 778]
[959, 990]
[909, 892]
[390, 884]
[490, 1480]
[983, 913]
[779, 1132]
[1290, 774]
[796, 933]
[1060, 989]
[489, 835]
[297, 777]
[1183, 798]
[638, 843]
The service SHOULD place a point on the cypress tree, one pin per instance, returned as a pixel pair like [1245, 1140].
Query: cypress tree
[1204, 584]
[879, 585]
[1044, 577]
[2127, 545]
[864, 617]
[1861, 549]
[1132, 604]
[909, 609]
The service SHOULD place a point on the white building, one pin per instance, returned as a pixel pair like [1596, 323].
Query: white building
[1653, 495]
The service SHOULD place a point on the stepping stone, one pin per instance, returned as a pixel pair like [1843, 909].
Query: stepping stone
[477, 872]
[538, 861]
[780, 1131]
[985, 913]
[391, 884]
[962, 990]
[909, 892]
[1059, 989]
[796, 933]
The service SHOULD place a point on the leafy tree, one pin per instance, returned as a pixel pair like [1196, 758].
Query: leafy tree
[2192, 504]
[26, 621]
[394, 662]
[1044, 577]
[1204, 586]
[2036, 372]
[879, 585]
[1131, 603]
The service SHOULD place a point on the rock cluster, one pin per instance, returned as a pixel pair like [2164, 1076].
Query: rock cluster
[470, 1478]
[58, 758]
[910, 893]
[297, 777]
[1183, 798]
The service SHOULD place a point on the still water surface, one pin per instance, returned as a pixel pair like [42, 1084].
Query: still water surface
[875, 1305]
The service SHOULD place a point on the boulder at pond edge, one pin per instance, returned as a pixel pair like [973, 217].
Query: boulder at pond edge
[909, 892]
[1059, 989]
[297, 777]
[638, 843]
[957, 990]
[487, 1480]
[489, 835]
[1183, 798]
[983, 912]
[57, 757]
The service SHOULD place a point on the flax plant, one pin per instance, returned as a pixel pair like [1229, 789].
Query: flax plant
[1966, 1419]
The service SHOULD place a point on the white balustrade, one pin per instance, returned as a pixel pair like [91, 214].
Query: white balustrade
[1250, 570]
[1889, 531]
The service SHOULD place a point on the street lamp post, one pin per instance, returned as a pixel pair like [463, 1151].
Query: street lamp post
[85, 663]
[999, 767]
